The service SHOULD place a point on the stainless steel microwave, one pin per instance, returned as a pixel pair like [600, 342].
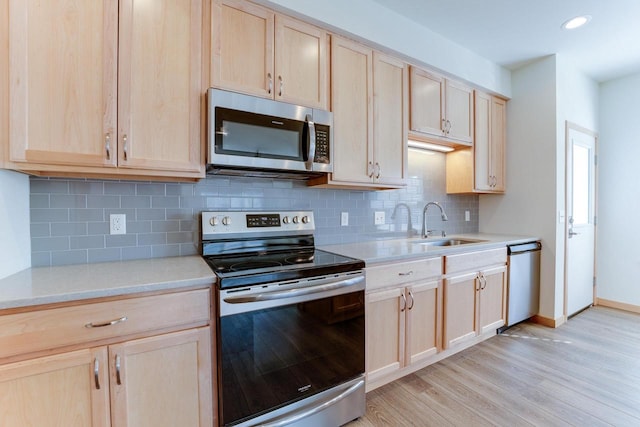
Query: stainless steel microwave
[253, 136]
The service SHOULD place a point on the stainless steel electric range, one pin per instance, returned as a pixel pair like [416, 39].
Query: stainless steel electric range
[290, 330]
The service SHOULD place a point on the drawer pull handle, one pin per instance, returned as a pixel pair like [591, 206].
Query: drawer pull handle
[118, 378]
[102, 325]
[96, 372]
[408, 273]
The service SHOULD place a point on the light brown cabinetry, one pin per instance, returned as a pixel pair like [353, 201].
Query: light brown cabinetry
[474, 295]
[139, 369]
[369, 104]
[403, 320]
[441, 109]
[481, 169]
[107, 88]
[258, 52]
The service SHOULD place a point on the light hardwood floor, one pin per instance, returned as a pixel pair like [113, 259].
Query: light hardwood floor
[584, 373]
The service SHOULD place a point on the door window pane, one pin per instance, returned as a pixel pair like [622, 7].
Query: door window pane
[581, 185]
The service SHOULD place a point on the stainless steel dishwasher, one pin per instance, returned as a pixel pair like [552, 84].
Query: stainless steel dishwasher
[523, 283]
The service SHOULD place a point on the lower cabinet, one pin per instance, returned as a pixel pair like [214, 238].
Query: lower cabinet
[474, 301]
[402, 321]
[158, 380]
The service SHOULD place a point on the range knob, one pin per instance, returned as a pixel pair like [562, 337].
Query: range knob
[213, 221]
[226, 220]
[295, 219]
[286, 220]
[306, 219]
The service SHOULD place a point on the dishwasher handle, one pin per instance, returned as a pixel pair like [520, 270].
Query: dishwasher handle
[524, 247]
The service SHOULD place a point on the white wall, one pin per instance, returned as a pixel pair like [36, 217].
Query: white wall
[370, 21]
[618, 262]
[529, 205]
[15, 242]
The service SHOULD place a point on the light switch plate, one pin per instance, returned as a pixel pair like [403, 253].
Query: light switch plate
[117, 224]
[467, 216]
[344, 219]
[378, 218]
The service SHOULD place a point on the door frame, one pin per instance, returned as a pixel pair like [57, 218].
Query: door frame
[568, 127]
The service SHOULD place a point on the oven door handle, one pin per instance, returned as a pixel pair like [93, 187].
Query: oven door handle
[291, 293]
[299, 416]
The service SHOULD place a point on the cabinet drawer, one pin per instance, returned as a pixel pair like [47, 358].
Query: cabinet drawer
[381, 276]
[474, 260]
[41, 330]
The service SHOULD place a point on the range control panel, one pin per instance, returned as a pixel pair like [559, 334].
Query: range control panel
[219, 224]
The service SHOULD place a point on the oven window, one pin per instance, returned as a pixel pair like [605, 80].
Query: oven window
[256, 135]
[277, 356]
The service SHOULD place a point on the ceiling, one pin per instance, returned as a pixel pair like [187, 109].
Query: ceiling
[512, 33]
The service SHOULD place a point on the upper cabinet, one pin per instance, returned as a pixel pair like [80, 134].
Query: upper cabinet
[441, 109]
[369, 104]
[106, 89]
[258, 52]
[481, 169]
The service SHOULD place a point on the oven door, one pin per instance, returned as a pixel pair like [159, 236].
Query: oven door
[280, 347]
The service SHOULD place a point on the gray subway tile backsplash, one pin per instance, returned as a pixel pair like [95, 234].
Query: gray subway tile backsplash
[70, 217]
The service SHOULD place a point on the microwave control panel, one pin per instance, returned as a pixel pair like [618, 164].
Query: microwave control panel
[322, 144]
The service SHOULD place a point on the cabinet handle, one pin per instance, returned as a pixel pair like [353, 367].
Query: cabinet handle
[448, 127]
[281, 85]
[270, 85]
[378, 169]
[96, 372]
[478, 282]
[109, 323]
[404, 302]
[370, 170]
[107, 145]
[483, 281]
[124, 147]
[443, 126]
[408, 273]
[413, 301]
[118, 378]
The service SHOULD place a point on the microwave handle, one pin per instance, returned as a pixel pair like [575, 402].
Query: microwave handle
[311, 155]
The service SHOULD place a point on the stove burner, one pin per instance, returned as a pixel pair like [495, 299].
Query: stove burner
[299, 259]
[250, 265]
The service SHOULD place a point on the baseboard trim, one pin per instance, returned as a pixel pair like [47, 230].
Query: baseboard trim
[619, 305]
[548, 322]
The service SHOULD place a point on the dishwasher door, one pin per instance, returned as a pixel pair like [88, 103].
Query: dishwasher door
[523, 285]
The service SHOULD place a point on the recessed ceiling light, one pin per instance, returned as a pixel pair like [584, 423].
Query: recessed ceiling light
[576, 22]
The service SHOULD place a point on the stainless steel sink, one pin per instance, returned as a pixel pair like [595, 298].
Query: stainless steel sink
[447, 242]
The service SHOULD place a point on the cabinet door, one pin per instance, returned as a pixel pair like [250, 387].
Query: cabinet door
[163, 380]
[242, 47]
[498, 141]
[459, 112]
[389, 119]
[385, 332]
[62, 72]
[427, 102]
[351, 90]
[160, 85]
[69, 389]
[424, 311]
[492, 299]
[481, 145]
[460, 320]
[301, 63]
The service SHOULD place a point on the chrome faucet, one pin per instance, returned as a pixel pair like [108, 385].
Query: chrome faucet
[425, 231]
[410, 230]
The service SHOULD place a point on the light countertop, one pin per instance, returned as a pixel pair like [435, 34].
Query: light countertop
[388, 250]
[47, 285]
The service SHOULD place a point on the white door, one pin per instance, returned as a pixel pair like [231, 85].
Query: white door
[581, 216]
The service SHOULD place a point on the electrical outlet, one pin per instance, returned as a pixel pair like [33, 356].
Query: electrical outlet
[117, 224]
[467, 216]
[378, 218]
[344, 219]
